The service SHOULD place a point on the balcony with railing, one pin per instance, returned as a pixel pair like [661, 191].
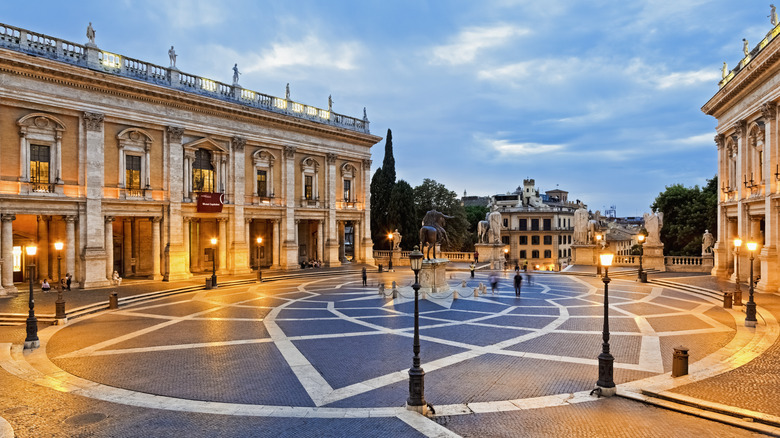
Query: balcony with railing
[41, 187]
[310, 202]
[25, 41]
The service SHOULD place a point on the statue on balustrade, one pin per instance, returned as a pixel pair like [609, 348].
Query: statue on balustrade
[707, 241]
[172, 57]
[432, 231]
[773, 15]
[397, 240]
[91, 34]
[745, 46]
[235, 74]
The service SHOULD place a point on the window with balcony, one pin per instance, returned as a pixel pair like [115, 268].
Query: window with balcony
[308, 187]
[133, 174]
[347, 190]
[523, 224]
[202, 172]
[39, 165]
[40, 151]
[264, 174]
[547, 224]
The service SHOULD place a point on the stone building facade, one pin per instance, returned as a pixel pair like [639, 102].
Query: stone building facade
[135, 168]
[538, 229]
[746, 107]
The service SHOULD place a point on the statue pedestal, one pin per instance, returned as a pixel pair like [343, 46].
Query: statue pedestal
[433, 276]
[586, 254]
[493, 253]
[653, 257]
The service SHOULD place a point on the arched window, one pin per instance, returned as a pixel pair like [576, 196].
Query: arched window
[310, 172]
[202, 172]
[40, 151]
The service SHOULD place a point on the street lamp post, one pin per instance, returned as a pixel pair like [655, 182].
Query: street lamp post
[59, 305]
[641, 238]
[750, 307]
[214, 262]
[392, 249]
[598, 254]
[416, 400]
[257, 259]
[31, 341]
[605, 386]
[738, 290]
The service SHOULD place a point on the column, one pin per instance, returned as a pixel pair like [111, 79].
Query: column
[223, 244]
[276, 245]
[341, 225]
[251, 244]
[186, 238]
[8, 253]
[109, 244]
[368, 245]
[357, 245]
[70, 247]
[289, 258]
[92, 271]
[770, 278]
[156, 248]
[721, 249]
[197, 252]
[127, 247]
[320, 241]
[43, 247]
[179, 175]
[296, 240]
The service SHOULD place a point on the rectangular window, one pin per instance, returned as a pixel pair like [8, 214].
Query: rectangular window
[547, 254]
[308, 189]
[203, 180]
[262, 183]
[547, 224]
[534, 254]
[534, 224]
[347, 190]
[522, 254]
[523, 224]
[505, 240]
[534, 240]
[523, 240]
[506, 223]
[39, 164]
[548, 240]
[132, 172]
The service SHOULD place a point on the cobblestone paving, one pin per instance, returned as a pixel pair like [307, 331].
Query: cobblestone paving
[331, 343]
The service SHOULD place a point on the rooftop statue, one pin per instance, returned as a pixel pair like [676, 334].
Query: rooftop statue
[773, 15]
[725, 70]
[91, 34]
[745, 46]
[235, 74]
[172, 57]
[330, 103]
[287, 92]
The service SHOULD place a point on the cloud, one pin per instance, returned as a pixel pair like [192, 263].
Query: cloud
[506, 148]
[187, 14]
[472, 40]
[687, 78]
[309, 52]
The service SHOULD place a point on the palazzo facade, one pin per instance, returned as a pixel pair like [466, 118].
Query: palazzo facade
[746, 107]
[135, 168]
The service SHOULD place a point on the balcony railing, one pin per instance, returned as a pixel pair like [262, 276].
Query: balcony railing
[314, 202]
[135, 193]
[22, 40]
[39, 187]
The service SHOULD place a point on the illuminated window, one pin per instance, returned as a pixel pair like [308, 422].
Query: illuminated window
[347, 190]
[262, 183]
[133, 172]
[202, 172]
[39, 164]
[308, 190]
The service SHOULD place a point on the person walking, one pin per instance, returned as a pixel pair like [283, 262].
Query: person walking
[518, 282]
[364, 275]
[68, 279]
[493, 282]
[529, 279]
[471, 267]
[476, 256]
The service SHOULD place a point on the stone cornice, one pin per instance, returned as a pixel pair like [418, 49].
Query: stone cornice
[42, 69]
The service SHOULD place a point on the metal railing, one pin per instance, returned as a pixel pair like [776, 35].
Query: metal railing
[39, 187]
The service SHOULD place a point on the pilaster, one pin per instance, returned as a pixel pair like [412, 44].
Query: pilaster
[93, 253]
[178, 258]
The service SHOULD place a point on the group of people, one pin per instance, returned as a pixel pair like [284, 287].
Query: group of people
[311, 264]
[64, 283]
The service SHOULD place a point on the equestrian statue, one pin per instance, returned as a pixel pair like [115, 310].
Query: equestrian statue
[432, 231]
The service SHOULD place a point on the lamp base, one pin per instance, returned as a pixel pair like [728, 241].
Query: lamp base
[29, 345]
[605, 392]
[422, 409]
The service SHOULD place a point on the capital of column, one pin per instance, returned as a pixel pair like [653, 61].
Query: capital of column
[331, 158]
[720, 140]
[69, 219]
[44, 218]
[248, 220]
[221, 219]
[110, 219]
[238, 143]
[157, 219]
[175, 133]
[740, 128]
[8, 217]
[769, 110]
[93, 121]
[289, 151]
[187, 218]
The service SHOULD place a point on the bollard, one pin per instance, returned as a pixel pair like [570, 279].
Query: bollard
[727, 296]
[738, 298]
[259, 275]
[476, 293]
[455, 295]
[643, 277]
[680, 361]
[380, 267]
[113, 301]
[395, 293]
[382, 289]
[208, 283]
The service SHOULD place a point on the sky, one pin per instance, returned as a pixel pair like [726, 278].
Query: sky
[599, 98]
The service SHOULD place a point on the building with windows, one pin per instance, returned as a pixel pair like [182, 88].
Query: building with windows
[136, 167]
[538, 228]
[746, 107]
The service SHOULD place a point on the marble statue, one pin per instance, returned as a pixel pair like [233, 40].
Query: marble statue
[495, 227]
[483, 229]
[773, 15]
[365, 116]
[745, 46]
[535, 201]
[235, 74]
[707, 241]
[396, 240]
[653, 224]
[725, 71]
[172, 57]
[330, 104]
[91, 34]
[287, 92]
[581, 226]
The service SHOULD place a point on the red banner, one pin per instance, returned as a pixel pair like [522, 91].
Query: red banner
[210, 202]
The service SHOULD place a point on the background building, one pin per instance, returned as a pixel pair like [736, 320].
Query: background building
[749, 162]
[135, 167]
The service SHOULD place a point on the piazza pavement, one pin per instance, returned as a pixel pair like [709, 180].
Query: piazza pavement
[322, 355]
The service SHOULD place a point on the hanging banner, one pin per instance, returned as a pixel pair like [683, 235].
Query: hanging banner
[210, 202]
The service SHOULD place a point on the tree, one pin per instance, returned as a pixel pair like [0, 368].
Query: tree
[688, 212]
[474, 214]
[401, 215]
[431, 195]
[381, 187]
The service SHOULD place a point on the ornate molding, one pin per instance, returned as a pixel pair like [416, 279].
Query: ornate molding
[238, 143]
[740, 128]
[769, 110]
[720, 140]
[93, 121]
[109, 219]
[367, 163]
[330, 157]
[157, 219]
[70, 219]
[175, 133]
[289, 151]
[8, 217]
